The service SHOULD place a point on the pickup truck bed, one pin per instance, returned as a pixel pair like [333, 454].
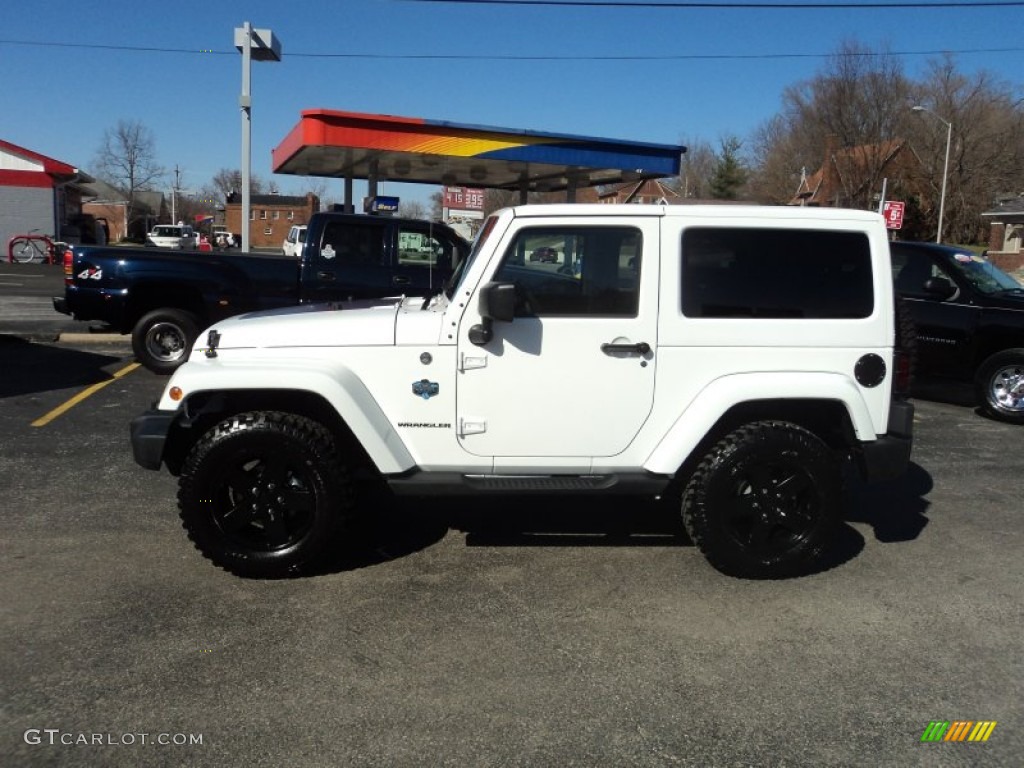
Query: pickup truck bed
[166, 298]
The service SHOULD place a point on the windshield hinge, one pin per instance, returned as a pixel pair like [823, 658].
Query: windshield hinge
[467, 427]
[469, 362]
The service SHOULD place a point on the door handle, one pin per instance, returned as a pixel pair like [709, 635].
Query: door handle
[640, 348]
[325, 275]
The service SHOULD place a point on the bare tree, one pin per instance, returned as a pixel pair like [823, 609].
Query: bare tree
[126, 160]
[849, 116]
[228, 181]
[778, 162]
[986, 148]
[436, 206]
[696, 168]
[412, 209]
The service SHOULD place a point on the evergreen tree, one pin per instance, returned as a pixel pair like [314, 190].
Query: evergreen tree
[730, 174]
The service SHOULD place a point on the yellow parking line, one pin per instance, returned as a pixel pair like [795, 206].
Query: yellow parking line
[87, 392]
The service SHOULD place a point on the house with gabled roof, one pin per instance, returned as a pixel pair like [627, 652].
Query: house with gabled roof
[650, 191]
[849, 177]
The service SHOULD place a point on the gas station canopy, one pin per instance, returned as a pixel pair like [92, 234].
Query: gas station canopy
[352, 145]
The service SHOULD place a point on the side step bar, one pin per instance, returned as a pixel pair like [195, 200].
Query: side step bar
[418, 483]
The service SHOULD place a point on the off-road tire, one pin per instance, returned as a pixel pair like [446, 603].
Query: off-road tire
[905, 339]
[263, 494]
[765, 502]
[997, 386]
[163, 338]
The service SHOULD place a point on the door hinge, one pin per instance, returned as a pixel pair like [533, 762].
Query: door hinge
[467, 427]
[468, 362]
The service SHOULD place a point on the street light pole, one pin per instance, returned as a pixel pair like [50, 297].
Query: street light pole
[245, 105]
[945, 167]
[261, 45]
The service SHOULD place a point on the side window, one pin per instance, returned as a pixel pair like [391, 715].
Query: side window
[355, 244]
[574, 271]
[420, 248]
[776, 273]
[911, 270]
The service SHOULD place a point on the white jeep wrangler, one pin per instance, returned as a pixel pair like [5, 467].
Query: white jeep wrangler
[728, 357]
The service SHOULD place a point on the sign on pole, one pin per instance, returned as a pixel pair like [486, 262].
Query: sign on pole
[893, 213]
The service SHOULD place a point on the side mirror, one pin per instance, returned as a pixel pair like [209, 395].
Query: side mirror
[497, 302]
[939, 287]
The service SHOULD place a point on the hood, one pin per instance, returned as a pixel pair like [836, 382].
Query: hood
[359, 323]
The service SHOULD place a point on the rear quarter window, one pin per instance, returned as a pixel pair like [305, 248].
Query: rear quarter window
[776, 273]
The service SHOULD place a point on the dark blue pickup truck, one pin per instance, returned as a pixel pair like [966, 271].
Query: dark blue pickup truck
[166, 298]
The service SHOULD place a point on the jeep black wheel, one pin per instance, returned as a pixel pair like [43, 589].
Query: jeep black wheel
[262, 494]
[999, 386]
[162, 339]
[765, 501]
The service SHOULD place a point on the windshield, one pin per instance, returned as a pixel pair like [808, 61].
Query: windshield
[984, 275]
[463, 266]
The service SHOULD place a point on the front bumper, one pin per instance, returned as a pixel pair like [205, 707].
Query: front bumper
[889, 455]
[149, 436]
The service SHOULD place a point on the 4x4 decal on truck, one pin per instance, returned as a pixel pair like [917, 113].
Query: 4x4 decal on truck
[92, 273]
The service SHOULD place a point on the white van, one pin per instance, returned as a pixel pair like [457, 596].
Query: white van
[292, 245]
[181, 237]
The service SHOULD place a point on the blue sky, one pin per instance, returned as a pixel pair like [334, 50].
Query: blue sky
[65, 79]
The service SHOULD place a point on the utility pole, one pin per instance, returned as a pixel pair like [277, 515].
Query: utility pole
[174, 195]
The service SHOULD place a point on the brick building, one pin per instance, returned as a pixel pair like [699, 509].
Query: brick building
[270, 216]
[1006, 236]
[124, 222]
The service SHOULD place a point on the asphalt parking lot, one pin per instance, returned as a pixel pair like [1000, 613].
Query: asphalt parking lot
[460, 635]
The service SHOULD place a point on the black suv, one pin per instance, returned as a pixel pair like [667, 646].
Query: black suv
[970, 322]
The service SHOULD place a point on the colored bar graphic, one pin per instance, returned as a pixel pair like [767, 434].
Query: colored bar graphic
[982, 731]
[958, 730]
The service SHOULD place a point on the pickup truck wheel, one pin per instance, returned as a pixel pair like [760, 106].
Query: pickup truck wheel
[765, 502]
[263, 493]
[162, 339]
[999, 386]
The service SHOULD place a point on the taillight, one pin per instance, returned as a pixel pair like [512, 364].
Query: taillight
[69, 266]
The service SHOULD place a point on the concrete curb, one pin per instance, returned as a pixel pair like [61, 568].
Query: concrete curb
[102, 338]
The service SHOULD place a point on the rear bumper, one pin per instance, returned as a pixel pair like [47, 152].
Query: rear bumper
[889, 455]
[61, 305]
[149, 436]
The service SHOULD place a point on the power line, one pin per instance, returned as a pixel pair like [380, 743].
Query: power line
[733, 5]
[128, 48]
[518, 56]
